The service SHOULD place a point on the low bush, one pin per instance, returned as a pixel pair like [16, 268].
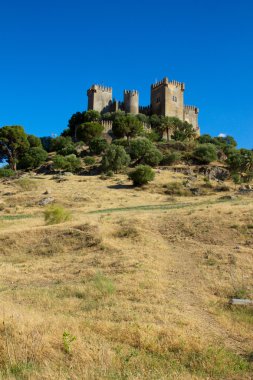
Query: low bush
[144, 151]
[68, 163]
[115, 159]
[176, 188]
[33, 158]
[4, 172]
[205, 153]
[170, 158]
[141, 175]
[98, 146]
[89, 160]
[55, 214]
[153, 157]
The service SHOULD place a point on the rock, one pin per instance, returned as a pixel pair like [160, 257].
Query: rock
[195, 191]
[227, 197]
[215, 173]
[67, 173]
[245, 188]
[46, 201]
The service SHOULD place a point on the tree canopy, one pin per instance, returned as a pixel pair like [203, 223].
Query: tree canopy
[126, 125]
[89, 131]
[13, 143]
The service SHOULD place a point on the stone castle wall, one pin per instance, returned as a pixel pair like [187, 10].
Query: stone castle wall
[99, 98]
[166, 98]
[131, 101]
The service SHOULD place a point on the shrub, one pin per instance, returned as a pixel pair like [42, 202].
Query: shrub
[145, 151]
[98, 145]
[115, 159]
[141, 175]
[34, 141]
[67, 150]
[67, 340]
[153, 157]
[5, 172]
[170, 158]
[139, 147]
[122, 142]
[33, 158]
[89, 160]
[68, 163]
[46, 142]
[62, 145]
[55, 214]
[176, 188]
[205, 153]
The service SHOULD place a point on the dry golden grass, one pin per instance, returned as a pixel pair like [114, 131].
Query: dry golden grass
[143, 291]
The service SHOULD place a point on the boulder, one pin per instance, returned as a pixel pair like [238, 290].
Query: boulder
[46, 201]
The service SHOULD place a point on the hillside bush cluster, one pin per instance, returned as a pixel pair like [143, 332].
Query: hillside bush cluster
[166, 141]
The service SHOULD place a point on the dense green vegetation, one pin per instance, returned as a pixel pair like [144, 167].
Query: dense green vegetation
[135, 140]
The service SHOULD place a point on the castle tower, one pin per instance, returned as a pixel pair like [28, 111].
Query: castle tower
[99, 98]
[167, 98]
[131, 101]
[191, 116]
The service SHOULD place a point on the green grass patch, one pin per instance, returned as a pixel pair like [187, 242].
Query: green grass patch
[55, 214]
[166, 206]
[16, 217]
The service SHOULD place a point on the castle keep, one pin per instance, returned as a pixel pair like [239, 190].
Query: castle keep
[166, 98]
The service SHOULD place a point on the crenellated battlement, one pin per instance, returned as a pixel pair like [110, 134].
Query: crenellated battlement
[166, 99]
[145, 108]
[191, 108]
[178, 84]
[165, 80]
[98, 87]
[131, 92]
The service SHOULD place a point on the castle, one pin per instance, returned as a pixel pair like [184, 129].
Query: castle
[166, 98]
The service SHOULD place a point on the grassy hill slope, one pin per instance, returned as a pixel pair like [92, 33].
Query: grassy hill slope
[124, 291]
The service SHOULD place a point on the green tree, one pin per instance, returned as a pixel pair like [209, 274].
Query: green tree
[183, 132]
[13, 144]
[141, 175]
[205, 139]
[240, 161]
[170, 125]
[205, 153]
[155, 122]
[89, 131]
[79, 118]
[74, 122]
[139, 147]
[91, 115]
[33, 158]
[62, 145]
[115, 158]
[34, 141]
[68, 163]
[46, 142]
[126, 125]
[98, 145]
[143, 150]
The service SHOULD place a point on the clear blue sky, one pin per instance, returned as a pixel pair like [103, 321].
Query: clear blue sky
[52, 51]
